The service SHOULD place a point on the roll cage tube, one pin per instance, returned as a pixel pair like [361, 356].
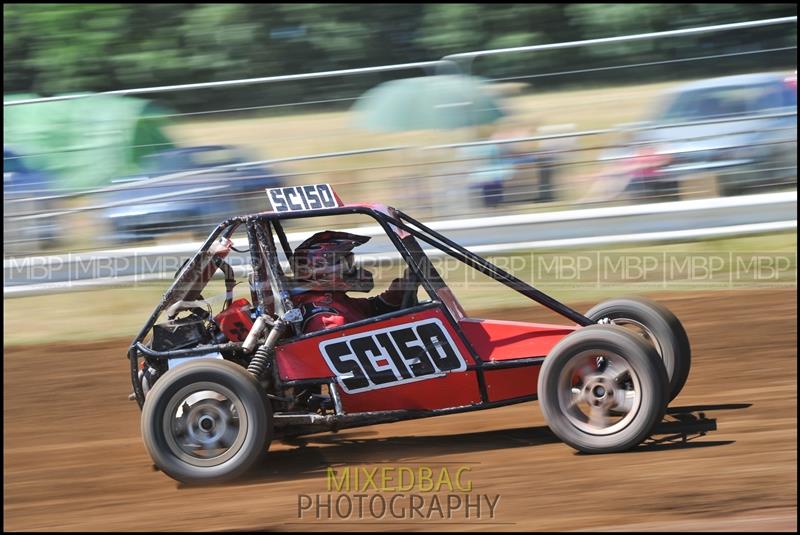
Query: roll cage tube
[277, 278]
[401, 221]
[487, 268]
[259, 266]
[416, 262]
[277, 281]
[182, 282]
[287, 249]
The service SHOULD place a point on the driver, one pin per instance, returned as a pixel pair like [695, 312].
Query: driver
[324, 270]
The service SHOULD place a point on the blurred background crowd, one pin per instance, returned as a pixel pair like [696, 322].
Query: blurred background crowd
[133, 152]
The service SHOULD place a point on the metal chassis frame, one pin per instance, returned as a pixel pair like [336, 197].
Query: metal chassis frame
[315, 423]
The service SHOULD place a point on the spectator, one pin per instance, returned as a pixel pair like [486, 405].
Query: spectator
[490, 169]
[552, 155]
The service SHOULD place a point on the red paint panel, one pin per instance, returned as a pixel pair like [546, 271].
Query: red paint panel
[512, 382]
[303, 360]
[508, 340]
[452, 390]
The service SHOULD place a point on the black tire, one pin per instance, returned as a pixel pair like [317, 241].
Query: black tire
[252, 433]
[646, 377]
[672, 343]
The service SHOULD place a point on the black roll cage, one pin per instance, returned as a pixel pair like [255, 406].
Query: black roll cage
[264, 260]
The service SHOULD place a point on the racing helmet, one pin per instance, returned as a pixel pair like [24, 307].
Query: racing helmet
[325, 261]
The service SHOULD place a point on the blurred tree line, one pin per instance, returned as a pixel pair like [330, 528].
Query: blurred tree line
[60, 48]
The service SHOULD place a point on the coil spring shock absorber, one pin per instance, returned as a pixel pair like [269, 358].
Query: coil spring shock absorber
[261, 360]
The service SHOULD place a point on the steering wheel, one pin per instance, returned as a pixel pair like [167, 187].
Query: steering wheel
[411, 283]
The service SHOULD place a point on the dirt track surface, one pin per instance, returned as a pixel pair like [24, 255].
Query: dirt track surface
[74, 459]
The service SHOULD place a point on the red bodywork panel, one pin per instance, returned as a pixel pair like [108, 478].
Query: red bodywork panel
[303, 359]
[506, 340]
[510, 383]
[492, 341]
[495, 340]
[453, 390]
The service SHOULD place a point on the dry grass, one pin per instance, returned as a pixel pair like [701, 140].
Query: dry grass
[385, 176]
[115, 312]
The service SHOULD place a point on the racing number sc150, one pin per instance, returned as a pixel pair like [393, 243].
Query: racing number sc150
[392, 356]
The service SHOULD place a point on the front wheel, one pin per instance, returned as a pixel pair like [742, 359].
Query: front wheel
[206, 421]
[602, 389]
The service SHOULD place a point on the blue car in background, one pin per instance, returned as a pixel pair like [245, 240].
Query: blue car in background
[24, 192]
[166, 199]
[741, 128]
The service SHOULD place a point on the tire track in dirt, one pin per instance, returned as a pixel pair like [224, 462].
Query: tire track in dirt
[74, 460]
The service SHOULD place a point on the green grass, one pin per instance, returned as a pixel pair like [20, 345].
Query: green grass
[120, 312]
[602, 272]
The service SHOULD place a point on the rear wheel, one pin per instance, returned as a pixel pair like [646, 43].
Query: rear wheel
[206, 421]
[602, 389]
[658, 326]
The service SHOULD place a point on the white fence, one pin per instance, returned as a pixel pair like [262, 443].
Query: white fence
[754, 214]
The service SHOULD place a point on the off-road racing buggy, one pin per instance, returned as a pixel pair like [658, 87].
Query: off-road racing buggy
[215, 390]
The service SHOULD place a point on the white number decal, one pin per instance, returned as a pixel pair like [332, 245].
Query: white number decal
[393, 355]
[299, 198]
